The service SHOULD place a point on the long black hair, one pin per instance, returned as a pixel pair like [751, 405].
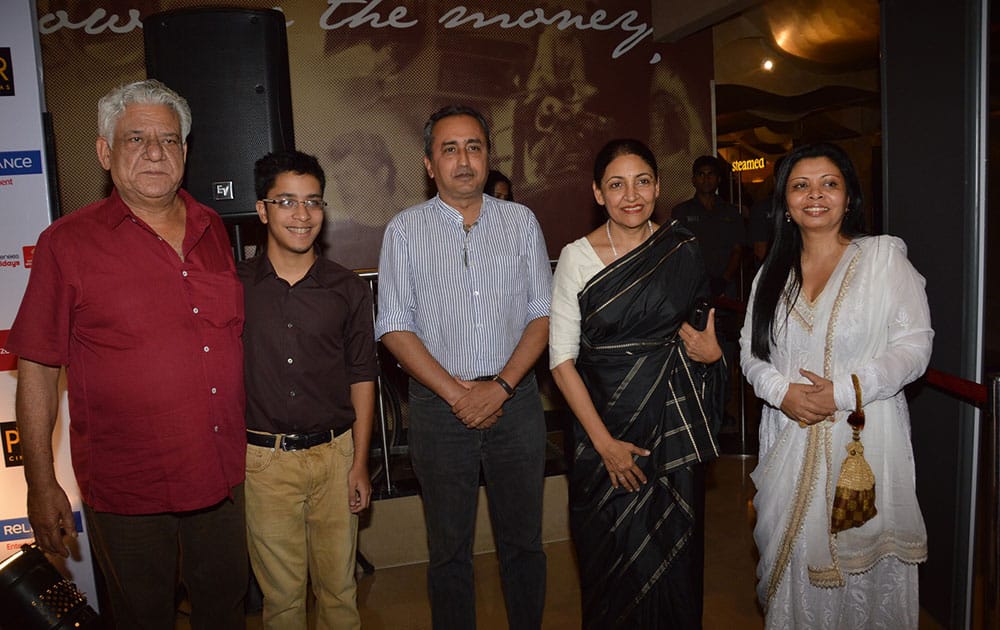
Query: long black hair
[785, 257]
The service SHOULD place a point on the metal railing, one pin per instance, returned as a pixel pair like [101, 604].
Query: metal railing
[992, 599]
[987, 398]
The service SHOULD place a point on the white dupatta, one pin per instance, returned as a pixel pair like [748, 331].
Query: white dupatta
[871, 319]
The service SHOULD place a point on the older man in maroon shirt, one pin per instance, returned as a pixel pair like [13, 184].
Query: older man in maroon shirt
[137, 296]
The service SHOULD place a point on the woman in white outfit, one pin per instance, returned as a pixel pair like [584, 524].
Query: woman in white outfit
[827, 304]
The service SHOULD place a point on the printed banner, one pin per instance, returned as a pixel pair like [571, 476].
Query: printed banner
[556, 80]
[24, 213]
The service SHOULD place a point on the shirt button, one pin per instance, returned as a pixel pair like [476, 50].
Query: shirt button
[216, 428]
[476, 293]
[195, 310]
[214, 390]
[205, 348]
[290, 360]
[290, 324]
[184, 273]
[292, 394]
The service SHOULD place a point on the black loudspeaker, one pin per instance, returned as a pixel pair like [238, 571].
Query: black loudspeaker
[232, 67]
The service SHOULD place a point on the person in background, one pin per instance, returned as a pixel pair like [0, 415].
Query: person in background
[499, 186]
[359, 162]
[464, 293]
[310, 380]
[717, 224]
[837, 321]
[760, 230]
[646, 389]
[137, 296]
[719, 228]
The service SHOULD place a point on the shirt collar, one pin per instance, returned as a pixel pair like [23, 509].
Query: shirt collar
[118, 211]
[451, 214]
[263, 269]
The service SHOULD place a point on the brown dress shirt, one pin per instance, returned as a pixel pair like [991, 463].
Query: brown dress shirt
[304, 346]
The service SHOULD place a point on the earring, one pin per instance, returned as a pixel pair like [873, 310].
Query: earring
[788, 218]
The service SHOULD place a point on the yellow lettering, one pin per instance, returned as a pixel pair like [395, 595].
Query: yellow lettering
[10, 438]
[749, 165]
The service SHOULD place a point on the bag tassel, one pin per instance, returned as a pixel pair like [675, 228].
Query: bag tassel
[854, 497]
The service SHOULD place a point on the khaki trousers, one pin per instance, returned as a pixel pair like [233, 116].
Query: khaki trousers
[300, 530]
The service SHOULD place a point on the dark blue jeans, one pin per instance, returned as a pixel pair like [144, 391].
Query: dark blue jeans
[447, 458]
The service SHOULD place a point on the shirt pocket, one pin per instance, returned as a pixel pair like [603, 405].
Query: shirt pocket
[218, 296]
[509, 276]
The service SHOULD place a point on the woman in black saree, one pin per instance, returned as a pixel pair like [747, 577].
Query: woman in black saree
[646, 389]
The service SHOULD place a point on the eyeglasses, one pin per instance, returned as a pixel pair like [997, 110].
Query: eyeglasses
[289, 204]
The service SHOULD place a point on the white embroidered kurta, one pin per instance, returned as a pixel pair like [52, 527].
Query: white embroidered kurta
[871, 319]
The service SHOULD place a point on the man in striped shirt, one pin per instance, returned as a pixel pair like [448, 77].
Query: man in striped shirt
[463, 304]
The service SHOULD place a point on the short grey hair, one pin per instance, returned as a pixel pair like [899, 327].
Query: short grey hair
[149, 92]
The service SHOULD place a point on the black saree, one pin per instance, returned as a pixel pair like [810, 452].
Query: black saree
[641, 553]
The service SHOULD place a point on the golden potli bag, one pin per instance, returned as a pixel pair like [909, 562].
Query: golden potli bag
[854, 498]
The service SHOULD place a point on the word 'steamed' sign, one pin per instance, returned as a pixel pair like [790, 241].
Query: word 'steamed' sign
[749, 165]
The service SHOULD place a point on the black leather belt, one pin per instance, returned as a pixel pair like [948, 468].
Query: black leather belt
[293, 441]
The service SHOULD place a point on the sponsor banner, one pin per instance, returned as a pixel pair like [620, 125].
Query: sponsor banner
[10, 439]
[20, 528]
[8, 361]
[24, 213]
[28, 253]
[10, 261]
[6, 73]
[20, 163]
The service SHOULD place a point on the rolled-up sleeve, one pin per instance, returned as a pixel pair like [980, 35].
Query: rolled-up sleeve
[539, 273]
[396, 299]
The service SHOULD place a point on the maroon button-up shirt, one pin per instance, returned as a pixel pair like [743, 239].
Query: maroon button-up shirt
[152, 348]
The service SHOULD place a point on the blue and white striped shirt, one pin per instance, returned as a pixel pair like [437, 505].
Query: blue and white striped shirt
[467, 296]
